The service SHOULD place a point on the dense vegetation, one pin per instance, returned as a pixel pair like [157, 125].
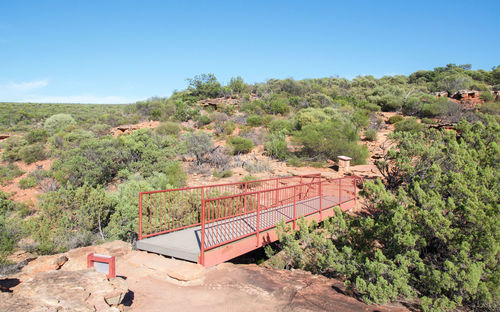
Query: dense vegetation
[433, 231]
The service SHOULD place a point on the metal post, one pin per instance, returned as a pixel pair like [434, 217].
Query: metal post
[320, 201]
[276, 195]
[245, 198]
[140, 216]
[294, 206]
[258, 218]
[355, 191]
[202, 238]
[340, 192]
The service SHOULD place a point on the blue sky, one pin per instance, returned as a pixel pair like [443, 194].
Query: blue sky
[123, 51]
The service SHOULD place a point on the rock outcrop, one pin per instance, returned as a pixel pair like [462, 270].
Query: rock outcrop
[60, 291]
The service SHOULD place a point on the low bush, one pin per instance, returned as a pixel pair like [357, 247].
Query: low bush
[204, 120]
[371, 135]
[281, 125]
[276, 146]
[487, 96]
[58, 122]
[223, 174]
[28, 182]
[492, 108]
[328, 140]
[428, 121]
[254, 120]
[71, 218]
[410, 124]
[240, 145]
[257, 166]
[9, 172]
[168, 128]
[394, 119]
[36, 136]
[32, 153]
[229, 128]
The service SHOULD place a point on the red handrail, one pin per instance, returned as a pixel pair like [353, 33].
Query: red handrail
[231, 211]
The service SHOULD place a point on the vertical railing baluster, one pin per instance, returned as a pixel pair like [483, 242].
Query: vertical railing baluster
[320, 200]
[340, 193]
[294, 207]
[258, 217]
[140, 216]
[202, 232]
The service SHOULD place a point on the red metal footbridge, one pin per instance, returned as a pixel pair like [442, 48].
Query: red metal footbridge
[215, 223]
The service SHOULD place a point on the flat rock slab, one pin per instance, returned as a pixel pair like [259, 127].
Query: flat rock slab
[60, 291]
[177, 269]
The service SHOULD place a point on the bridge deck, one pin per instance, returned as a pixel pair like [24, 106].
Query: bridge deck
[185, 244]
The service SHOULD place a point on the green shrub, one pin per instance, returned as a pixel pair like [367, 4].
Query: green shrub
[199, 144]
[254, 120]
[168, 128]
[58, 122]
[267, 119]
[294, 161]
[229, 127]
[204, 120]
[492, 108]
[223, 174]
[394, 119]
[410, 124]
[28, 182]
[70, 218]
[428, 121]
[32, 153]
[371, 135]
[249, 177]
[487, 96]
[124, 220]
[276, 105]
[9, 172]
[280, 125]
[11, 149]
[240, 145]
[205, 86]
[328, 140]
[36, 136]
[276, 146]
[423, 242]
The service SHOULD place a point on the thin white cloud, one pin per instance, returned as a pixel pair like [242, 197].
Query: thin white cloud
[84, 99]
[27, 85]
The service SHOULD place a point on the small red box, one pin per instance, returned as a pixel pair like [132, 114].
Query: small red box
[102, 263]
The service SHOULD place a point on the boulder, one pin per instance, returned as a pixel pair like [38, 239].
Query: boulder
[43, 264]
[85, 290]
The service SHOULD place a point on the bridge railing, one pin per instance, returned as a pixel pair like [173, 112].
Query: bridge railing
[232, 217]
[165, 211]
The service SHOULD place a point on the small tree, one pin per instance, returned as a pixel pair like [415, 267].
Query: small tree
[204, 85]
[199, 144]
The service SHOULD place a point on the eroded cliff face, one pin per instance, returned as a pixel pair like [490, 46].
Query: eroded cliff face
[150, 282]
